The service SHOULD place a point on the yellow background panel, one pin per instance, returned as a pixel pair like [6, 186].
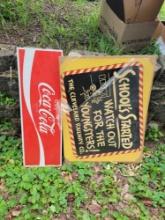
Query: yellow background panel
[74, 63]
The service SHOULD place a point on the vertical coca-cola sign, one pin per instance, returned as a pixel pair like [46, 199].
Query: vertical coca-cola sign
[40, 103]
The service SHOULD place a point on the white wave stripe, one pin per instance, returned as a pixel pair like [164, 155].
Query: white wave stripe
[27, 72]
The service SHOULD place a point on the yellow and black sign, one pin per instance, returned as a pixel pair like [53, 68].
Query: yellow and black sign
[106, 107]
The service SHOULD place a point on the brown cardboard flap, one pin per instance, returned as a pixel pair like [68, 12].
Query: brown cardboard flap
[160, 31]
[148, 10]
[134, 11]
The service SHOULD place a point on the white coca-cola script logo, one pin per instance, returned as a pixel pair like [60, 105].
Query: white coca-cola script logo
[47, 120]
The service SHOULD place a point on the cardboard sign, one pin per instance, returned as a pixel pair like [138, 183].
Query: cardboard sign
[132, 11]
[131, 36]
[40, 101]
[106, 106]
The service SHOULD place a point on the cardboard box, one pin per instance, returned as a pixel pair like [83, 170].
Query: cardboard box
[131, 36]
[132, 11]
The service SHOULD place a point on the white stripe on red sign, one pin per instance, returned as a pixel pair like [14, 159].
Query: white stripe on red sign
[40, 103]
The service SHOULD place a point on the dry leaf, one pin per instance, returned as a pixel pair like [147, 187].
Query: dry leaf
[97, 168]
[124, 190]
[147, 202]
[71, 198]
[94, 208]
[128, 197]
[2, 186]
[16, 213]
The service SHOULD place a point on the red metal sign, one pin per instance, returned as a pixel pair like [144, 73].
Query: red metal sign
[40, 102]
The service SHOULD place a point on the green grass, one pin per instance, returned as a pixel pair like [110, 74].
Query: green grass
[162, 13]
[154, 133]
[115, 191]
[5, 100]
[47, 193]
